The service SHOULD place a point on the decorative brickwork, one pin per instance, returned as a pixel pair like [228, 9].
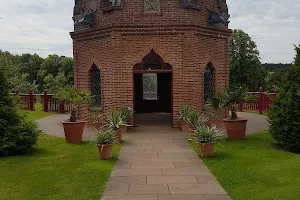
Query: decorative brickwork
[121, 37]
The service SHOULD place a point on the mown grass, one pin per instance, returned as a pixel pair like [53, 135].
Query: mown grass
[55, 170]
[38, 113]
[254, 169]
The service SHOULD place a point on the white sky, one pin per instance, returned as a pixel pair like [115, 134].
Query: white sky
[43, 26]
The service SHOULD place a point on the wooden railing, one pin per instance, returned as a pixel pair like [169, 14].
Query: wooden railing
[50, 102]
[263, 103]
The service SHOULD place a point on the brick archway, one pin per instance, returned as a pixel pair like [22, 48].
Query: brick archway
[152, 67]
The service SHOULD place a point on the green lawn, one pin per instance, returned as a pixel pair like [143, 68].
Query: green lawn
[38, 113]
[254, 112]
[254, 169]
[55, 170]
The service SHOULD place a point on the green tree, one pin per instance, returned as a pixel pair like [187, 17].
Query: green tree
[30, 64]
[245, 67]
[285, 114]
[54, 66]
[17, 134]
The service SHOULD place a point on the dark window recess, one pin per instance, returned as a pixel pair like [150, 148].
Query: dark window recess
[96, 86]
[150, 87]
[208, 83]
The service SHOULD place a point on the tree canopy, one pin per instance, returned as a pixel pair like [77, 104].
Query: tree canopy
[245, 67]
[31, 72]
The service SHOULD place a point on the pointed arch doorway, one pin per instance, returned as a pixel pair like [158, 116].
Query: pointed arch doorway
[153, 91]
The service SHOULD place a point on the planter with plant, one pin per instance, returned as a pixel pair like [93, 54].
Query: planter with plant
[195, 121]
[125, 114]
[206, 137]
[97, 120]
[184, 114]
[73, 128]
[227, 100]
[105, 143]
[115, 122]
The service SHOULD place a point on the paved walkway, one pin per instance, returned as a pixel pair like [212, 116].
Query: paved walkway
[156, 163]
[256, 122]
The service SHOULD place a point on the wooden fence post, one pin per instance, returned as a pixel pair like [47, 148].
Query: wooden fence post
[31, 103]
[45, 101]
[260, 100]
[276, 92]
[17, 92]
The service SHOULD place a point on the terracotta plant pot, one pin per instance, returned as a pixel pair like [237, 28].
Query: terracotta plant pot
[118, 135]
[97, 125]
[236, 129]
[185, 127]
[105, 151]
[207, 149]
[73, 131]
[123, 128]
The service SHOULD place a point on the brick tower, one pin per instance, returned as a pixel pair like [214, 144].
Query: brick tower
[152, 55]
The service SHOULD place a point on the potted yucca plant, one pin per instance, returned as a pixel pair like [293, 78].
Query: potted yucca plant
[97, 120]
[115, 122]
[73, 128]
[125, 114]
[105, 142]
[195, 120]
[227, 100]
[184, 114]
[206, 137]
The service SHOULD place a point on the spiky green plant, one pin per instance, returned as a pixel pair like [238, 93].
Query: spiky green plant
[97, 116]
[206, 134]
[225, 99]
[104, 137]
[184, 113]
[115, 120]
[195, 120]
[75, 96]
[125, 112]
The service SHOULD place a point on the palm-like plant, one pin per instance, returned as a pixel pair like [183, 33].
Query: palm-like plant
[75, 96]
[225, 99]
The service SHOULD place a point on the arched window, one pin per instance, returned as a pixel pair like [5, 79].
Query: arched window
[95, 81]
[208, 82]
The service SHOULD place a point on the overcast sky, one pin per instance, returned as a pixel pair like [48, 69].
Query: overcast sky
[43, 26]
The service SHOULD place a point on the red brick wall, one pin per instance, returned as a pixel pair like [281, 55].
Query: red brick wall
[122, 38]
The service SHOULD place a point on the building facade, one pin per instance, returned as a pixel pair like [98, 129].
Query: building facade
[152, 55]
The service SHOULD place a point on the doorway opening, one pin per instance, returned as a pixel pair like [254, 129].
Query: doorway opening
[153, 95]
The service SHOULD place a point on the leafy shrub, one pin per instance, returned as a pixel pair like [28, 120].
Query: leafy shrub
[284, 117]
[17, 134]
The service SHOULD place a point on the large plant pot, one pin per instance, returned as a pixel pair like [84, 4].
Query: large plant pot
[105, 151]
[119, 135]
[97, 125]
[207, 149]
[123, 128]
[185, 127]
[73, 131]
[236, 129]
